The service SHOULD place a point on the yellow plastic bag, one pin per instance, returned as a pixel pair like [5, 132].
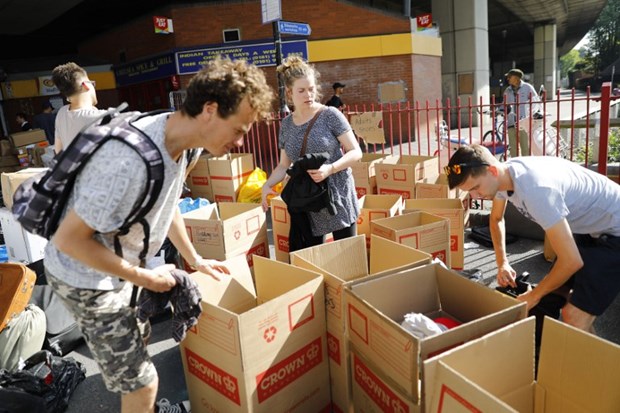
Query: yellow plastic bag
[251, 190]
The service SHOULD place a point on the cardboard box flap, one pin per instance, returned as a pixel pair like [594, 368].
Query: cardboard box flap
[373, 201]
[500, 354]
[453, 287]
[274, 278]
[457, 394]
[387, 255]
[345, 259]
[433, 203]
[231, 209]
[579, 371]
[206, 212]
[234, 293]
[408, 220]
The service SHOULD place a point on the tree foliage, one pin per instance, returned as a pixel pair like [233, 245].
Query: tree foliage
[569, 61]
[603, 47]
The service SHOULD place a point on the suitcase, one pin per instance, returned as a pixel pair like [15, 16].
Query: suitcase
[16, 285]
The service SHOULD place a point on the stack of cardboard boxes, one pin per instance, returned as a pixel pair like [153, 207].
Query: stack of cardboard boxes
[218, 179]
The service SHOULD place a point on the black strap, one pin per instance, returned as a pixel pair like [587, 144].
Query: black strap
[305, 142]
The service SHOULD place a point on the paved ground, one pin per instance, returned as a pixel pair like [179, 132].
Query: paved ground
[525, 255]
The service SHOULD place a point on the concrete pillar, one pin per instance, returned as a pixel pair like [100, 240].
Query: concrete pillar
[465, 61]
[545, 58]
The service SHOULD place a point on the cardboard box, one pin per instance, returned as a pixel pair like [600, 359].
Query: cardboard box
[422, 231]
[577, 372]
[376, 207]
[199, 180]
[28, 137]
[10, 182]
[375, 309]
[21, 245]
[258, 348]
[226, 228]
[281, 226]
[342, 262]
[228, 173]
[438, 188]
[446, 208]
[372, 394]
[401, 178]
[364, 172]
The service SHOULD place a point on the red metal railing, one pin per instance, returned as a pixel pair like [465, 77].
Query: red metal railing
[415, 129]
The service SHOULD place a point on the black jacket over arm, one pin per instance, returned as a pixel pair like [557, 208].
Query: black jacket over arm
[302, 195]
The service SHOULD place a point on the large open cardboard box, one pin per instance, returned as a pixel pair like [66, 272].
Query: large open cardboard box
[376, 207]
[420, 230]
[437, 188]
[342, 262]
[577, 372]
[451, 209]
[401, 177]
[227, 229]
[228, 173]
[375, 309]
[258, 348]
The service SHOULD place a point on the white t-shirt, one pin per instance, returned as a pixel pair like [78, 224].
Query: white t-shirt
[70, 122]
[547, 189]
[104, 194]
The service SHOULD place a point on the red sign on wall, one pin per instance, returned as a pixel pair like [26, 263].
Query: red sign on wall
[163, 25]
[425, 21]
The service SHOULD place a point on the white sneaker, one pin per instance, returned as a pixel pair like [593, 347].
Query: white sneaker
[164, 406]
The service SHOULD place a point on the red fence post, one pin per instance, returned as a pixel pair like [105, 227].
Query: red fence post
[604, 128]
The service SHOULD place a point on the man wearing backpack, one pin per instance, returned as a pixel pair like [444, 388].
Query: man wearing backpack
[223, 100]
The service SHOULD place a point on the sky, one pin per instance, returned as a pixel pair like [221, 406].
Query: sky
[581, 43]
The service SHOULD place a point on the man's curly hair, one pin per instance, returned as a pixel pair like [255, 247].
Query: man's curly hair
[228, 82]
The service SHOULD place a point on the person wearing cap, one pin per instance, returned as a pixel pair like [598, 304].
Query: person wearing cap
[578, 209]
[520, 91]
[335, 100]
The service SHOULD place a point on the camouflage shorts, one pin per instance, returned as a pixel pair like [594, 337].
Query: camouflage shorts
[111, 330]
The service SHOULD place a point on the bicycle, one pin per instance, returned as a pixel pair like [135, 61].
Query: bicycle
[449, 143]
[494, 139]
[554, 144]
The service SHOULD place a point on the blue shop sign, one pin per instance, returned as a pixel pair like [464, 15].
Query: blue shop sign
[145, 70]
[264, 54]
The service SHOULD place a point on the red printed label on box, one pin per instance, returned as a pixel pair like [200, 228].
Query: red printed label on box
[260, 249]
[213, 376]
[282, 244]
[376, 389]
[288, 370]
[333, 347]
[224, 198]
[361, 191]
[451, 401]
[200, 180]
[406, 194]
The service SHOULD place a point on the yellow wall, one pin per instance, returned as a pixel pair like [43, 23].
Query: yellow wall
[373, 46]
[17, 89]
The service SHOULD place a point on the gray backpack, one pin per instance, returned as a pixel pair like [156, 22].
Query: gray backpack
[39, 202]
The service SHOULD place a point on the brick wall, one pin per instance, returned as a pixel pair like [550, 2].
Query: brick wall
[200, 25]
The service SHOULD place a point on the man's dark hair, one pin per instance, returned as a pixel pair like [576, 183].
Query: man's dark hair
[68, 78]
[471, 160]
